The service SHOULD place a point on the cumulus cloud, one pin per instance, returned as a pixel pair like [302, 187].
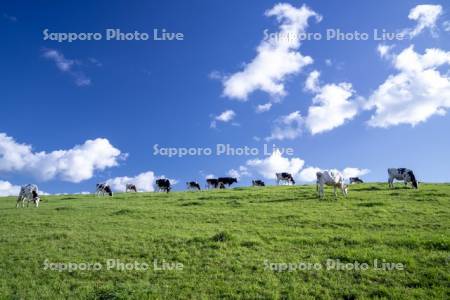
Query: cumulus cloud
[276, 57]
[426, 16]
[224, 117]
[73, 165]
[275, 163]
[144, 182]
[242, 171]
[416, 92]
[66, 65]
[332, 104]
[287, 127]
[263, 107]
[8, 189]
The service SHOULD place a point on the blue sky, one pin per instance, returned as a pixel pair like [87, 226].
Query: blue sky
[127, 96]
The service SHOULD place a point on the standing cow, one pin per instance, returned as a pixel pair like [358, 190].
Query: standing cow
[226, 181]
[402, 174]
[330, 178]
[163, 185]
[285, 177]
[28, 193]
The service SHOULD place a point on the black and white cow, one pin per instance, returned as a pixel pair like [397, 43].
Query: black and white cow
[28, 193]
[258, 183]
[355, 180]
[226, 181]
[330, 178]
[285, 177]
[130, 187]
[212, 183]
[103, 189]
[402, 174]
[193, 185]
[163, 185]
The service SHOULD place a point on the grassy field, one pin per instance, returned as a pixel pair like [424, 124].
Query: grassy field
[231, 243]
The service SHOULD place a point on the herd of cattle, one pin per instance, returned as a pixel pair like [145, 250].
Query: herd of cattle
[29, 193]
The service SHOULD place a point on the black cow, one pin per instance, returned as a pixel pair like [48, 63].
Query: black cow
[355, 180]
[227, 181]
[102, 189]
[163, 185]
[258, 183]
[193, 185]
[212, 183]
[285, 177]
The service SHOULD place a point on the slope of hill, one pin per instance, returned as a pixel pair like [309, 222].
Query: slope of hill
[273, 242]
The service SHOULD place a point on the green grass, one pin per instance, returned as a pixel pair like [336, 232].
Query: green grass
[223, 239]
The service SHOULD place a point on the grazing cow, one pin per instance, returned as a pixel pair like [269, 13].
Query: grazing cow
[402, 174]
[331, 178]
[212, 183]
[103, 189]
[130, 187]
[285, 177]
[227, 181]
[193, 185]
[163, 185]
[28, 193]
[355, 180]
[258, 183]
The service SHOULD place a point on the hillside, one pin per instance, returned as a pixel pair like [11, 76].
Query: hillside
[231, 244]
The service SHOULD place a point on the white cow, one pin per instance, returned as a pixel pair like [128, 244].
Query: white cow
[28, 193]
[331, 178]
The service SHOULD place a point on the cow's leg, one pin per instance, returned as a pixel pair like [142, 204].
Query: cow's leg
[322, 195]
[19, 199]
[334, 188]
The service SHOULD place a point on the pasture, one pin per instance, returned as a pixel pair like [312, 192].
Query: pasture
[225, 240]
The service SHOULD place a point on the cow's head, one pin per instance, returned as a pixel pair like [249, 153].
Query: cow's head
[292, 180]
[413, 180]
[233, 180]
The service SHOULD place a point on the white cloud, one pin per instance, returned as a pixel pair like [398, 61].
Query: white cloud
[446, 25]
[66, 66]
[416, 92]
[328, 62]
[225, 117]
[426, 16]
[312, 82]
[73, 165]
[8, 189]
[308, 174]
[210, 176]
[354, 172]
[144, 182]
[287, 127]
[332, 104]
[10, 18]
[384, 50]
[242, 171]
[276, 57]
[263, 107]
[275, 163]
